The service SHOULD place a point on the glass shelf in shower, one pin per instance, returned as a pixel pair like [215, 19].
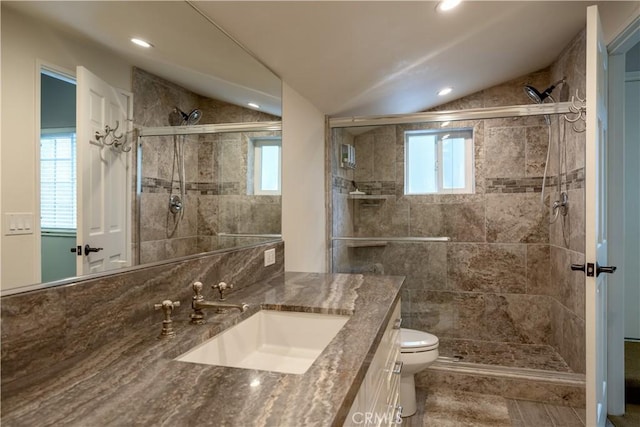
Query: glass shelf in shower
[369, 196]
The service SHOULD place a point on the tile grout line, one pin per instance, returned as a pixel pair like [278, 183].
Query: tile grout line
[520, 412]
[546, 410]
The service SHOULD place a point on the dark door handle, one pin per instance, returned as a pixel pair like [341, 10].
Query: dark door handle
[88, 249]
[589, 269]
[77, 250]
[607, 269]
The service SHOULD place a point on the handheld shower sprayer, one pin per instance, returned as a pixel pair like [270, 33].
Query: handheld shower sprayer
[539, 97]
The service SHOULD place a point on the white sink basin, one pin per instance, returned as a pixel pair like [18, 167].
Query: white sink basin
[280, 341]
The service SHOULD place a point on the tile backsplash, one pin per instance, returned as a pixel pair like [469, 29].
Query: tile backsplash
[48, 326]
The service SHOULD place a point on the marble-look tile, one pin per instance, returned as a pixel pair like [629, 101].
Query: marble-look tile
[518, 318]
[569, 284]
[384, 165]
[365, 157]
[387, 218]
[577, 222]
[455, 408]
[506, 354]
[511, 92]
[486, 267]
[424, 264]
[471, 318]
[33, 325]
[435, 312]
[538, 270]
[505, 152]
[436, 381]
[207, 220]
[557, 312]
[516, 218]
[536, 150]
[206, 153]
[539, 391]
[154, 222]
[152, 251]
[86, 315]
[573, 349]
[461, 222]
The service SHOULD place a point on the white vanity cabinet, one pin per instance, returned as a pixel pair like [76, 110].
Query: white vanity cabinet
[376, 403]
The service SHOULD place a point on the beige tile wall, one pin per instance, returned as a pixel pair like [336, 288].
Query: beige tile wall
[216, 175]
[505, 276]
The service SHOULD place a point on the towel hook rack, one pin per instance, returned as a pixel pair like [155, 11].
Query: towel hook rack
[579, 108]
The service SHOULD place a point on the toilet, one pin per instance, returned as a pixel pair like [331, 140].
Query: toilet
[418, 350]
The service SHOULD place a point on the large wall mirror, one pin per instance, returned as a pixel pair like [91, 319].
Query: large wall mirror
[185, 133]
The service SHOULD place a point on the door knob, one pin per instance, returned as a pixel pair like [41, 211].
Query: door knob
[88, 249]
[577, 267]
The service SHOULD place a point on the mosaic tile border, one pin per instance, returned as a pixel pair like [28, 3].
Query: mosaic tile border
[571, 181]
[159, 185]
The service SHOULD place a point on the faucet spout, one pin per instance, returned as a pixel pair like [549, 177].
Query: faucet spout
[198, 303]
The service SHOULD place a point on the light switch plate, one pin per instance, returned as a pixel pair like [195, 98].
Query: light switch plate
[18, 223]
[269, 257]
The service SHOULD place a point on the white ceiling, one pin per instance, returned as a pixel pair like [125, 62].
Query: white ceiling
[384, 57]
[345, 57]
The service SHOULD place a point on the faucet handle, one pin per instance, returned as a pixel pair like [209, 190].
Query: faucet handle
[221, 287]
[167, 306]
[197, 291]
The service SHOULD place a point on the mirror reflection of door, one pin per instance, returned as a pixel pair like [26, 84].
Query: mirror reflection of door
[104, 152]
[57, 175]
[105, 171]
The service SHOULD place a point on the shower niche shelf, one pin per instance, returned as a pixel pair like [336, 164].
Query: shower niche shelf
[369, 196]
[370, 199]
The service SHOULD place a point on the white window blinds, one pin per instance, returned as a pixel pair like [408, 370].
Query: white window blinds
[58, 181]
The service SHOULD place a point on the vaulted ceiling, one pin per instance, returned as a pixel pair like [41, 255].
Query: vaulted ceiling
[383, 57]
[345, 57]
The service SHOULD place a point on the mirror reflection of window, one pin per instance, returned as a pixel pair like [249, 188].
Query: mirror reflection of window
[265, 166]
[58, 180]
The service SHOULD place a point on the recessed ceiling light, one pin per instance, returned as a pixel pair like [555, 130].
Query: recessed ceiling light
[443, 124]
[447, 5]
[445, 91]
[141, 42]
[253, 104]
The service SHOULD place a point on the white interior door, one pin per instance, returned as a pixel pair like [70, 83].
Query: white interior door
[104, 176]
[596, 215]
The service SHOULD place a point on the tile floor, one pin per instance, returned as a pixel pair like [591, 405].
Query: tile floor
[454, 408]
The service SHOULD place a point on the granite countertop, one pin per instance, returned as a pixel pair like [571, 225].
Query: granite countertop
[135, 381]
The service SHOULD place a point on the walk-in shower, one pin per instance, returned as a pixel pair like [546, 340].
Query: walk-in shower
[560, 204]
[485, 271]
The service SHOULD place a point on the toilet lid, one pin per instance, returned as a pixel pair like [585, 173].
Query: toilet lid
[414, 340]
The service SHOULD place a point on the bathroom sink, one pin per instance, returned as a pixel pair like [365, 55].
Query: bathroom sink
[280, 341]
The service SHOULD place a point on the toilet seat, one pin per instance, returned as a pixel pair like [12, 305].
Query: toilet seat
[413, 341]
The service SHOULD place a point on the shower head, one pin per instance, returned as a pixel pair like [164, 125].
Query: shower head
[538, 97]
[194, 116]
[177, 117]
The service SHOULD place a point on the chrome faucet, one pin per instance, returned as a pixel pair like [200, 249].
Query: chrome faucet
[198, 303]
